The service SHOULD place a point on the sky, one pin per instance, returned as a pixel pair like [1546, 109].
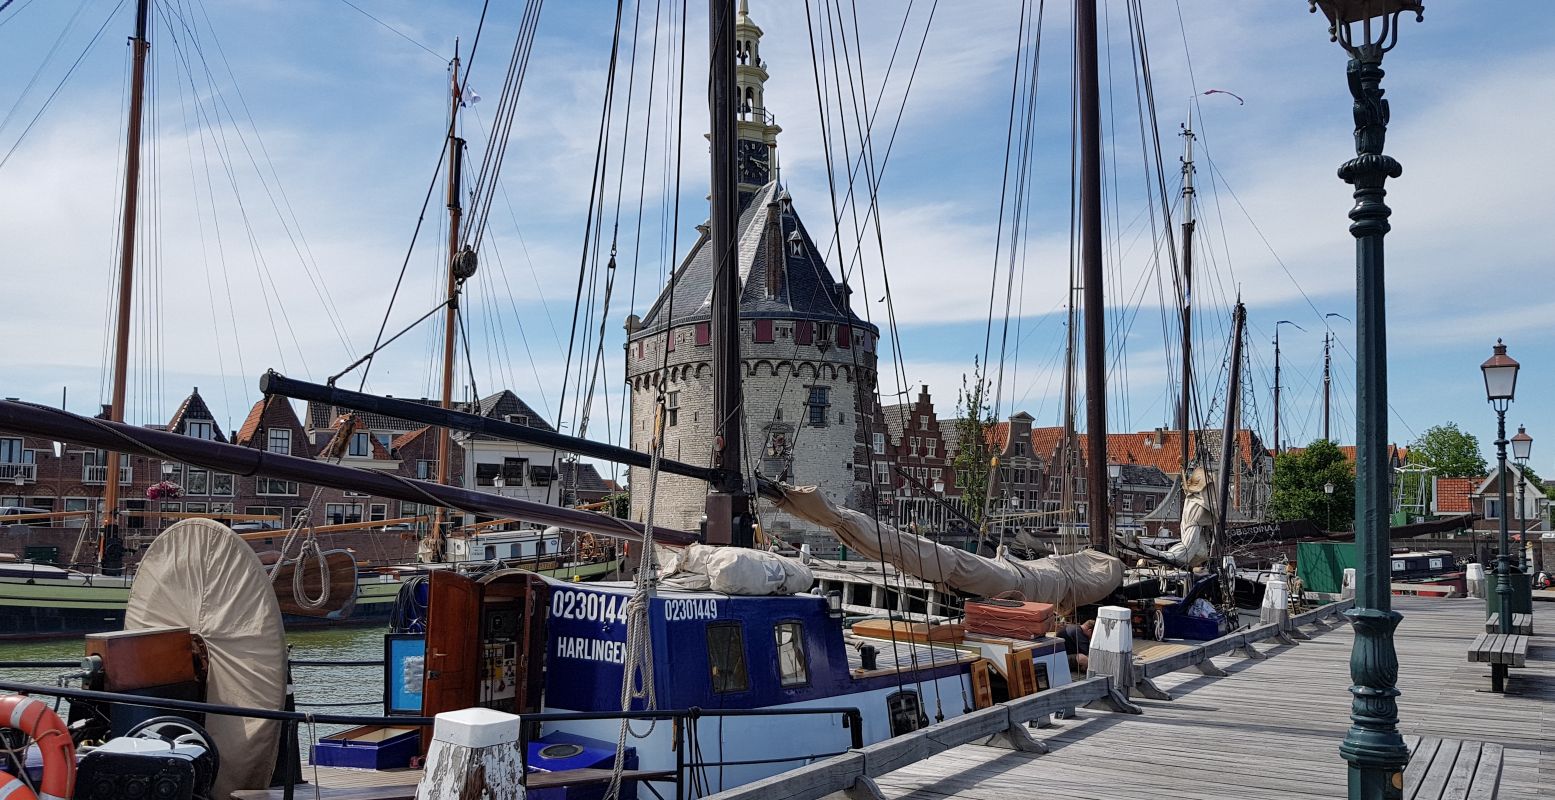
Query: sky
[291, 145]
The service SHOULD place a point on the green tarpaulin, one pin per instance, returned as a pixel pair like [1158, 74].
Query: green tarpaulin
[1321, 565]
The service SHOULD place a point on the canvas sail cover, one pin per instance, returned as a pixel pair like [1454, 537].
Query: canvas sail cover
[200, 575]
[1198, 524]
[731, 570]
[1067, 581]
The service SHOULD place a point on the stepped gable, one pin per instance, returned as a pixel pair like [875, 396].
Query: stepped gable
[801, 286]
[194, 408]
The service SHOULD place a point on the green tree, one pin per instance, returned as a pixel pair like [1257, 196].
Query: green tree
[1449, 452]
[974, 420]
[1299, 479]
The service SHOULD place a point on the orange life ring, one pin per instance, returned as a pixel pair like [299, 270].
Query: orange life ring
[34, 718]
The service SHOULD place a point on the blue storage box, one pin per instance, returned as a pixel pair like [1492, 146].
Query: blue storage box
[369, 747]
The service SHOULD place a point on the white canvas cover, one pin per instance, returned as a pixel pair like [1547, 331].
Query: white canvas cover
[1198, 522]
[200, 575]
[1067, 581]
[737, 571]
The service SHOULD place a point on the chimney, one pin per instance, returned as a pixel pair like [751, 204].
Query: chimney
[775, 258]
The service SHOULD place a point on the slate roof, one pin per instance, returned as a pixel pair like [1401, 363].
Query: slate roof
[194, 407]
[896, 416]
[583, 479]
[1140, 475]
[806, 289]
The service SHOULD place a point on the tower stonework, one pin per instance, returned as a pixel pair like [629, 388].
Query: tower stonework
[805, 355]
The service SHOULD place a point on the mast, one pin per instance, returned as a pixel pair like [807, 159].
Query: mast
[1327, 383]
[110, 553]
[434, 549]
[1090, 261]
[1228, 433]
[1188, 224]
[1277, 388]
[728, 504]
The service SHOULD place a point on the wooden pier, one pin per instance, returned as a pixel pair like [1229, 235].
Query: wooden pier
[1270, 729]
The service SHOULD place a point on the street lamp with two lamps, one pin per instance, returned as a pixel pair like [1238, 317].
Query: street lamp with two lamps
[1522, 449]
[1500, 371]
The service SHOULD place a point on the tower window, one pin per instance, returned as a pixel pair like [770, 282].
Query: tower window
[672, 409]
[819, 401]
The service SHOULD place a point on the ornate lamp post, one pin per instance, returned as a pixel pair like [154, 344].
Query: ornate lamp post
[1500, 372]
[1328, 491]
[1522, 448]
[1367, 29]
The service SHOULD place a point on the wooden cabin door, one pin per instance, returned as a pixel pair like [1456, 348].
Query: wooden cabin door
[453, 646]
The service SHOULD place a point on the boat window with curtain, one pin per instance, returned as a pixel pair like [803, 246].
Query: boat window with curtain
[793, 668]
[726, 657]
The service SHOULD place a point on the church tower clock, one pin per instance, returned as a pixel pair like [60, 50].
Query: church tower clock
[756, 128]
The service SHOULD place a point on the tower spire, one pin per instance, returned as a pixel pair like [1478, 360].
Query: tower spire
[755, 128]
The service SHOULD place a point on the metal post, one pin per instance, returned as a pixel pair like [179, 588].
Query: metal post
[1504, 556]
[1327, 385]
[1522, 517]
[1373, 747]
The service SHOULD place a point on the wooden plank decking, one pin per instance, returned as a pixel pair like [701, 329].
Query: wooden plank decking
[1272, 729]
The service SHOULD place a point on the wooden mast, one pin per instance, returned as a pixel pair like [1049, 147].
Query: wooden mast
[110, 551]
[434, 550]
[1228, 433]
[728, 504]
[1184, 411]
[1091, 263]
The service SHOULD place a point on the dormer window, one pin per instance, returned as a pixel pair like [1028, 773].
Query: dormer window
[279, 440]
[361, 445]
[795, 244]
[518, 419]
[201, 429]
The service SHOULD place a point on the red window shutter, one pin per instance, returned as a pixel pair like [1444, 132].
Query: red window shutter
[843, 340]
[802, 332]
[704, 334]
[763, 330]
[640, 348]
[670, 335]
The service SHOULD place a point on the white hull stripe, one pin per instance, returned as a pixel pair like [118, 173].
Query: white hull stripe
[17, 713]
[11, 787]
[47, 796]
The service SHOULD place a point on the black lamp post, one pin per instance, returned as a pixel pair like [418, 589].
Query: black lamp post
[1328, 491]
[1522, 449]
[1500, 386]
[1367, 29]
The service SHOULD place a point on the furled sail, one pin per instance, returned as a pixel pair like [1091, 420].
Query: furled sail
[1198, 524]
[1068, 581]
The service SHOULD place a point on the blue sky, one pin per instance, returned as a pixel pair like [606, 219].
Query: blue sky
[284, 185]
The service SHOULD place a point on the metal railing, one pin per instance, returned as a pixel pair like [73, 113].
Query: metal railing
[683, 721]
[98, 474]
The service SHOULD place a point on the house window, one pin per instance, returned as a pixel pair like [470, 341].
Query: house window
[11, 451]
[793, 669]
[933, 447]
[513, 471]
[1128, 502]
[221, 508]
[195, 508]
[1492, 508]
[882, 472]
[280, 441]
[726, 657]
[268, 511]
[913, 443]
[1020, 476]
[221, 484]
[426, 470]
[879, 444]
[936, 474]
[923, 473]
[518, 419]
[818, 402]
[343, 513]
[198, 481]
[1149, 502]
[486, 474]
[378, 512]
[672, 409]
[1055, 484]
[78, 504]
[274, 486]
[172, 508]
[361, 445]
[200, 429]
[1020, 448]
[923, 423]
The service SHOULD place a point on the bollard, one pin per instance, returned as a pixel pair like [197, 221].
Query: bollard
[1276, 609]
[1112, 651]
[1475, 577]
[1347, 589]
[474, 753]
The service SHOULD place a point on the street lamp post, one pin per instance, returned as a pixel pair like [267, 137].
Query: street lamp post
[1500, 372]
[1328, 492]
[1367, 29]
[1522, 449]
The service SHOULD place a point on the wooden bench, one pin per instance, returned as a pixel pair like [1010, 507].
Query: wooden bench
[1510, 649]
[1449, 769]
[1521, 623]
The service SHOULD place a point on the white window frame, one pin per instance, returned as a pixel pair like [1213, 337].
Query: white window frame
[279, 441]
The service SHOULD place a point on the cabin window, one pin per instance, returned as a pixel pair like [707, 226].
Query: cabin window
[793, 668]
[491, 552]
[906, 712]
[726, 657]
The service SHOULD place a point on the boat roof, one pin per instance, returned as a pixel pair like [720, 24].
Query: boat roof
[627, 587]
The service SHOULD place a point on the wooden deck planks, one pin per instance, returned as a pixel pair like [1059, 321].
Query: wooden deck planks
[1273, 728]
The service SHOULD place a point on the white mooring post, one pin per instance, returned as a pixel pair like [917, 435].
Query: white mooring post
[474, 753]
[1347, 587]
[1112, 652]
[1276, 609]
[1475, 575]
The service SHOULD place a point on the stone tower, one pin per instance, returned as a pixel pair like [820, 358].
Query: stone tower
[806, 356]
